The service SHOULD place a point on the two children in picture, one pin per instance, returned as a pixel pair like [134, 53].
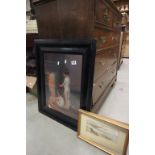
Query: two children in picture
[65, 85]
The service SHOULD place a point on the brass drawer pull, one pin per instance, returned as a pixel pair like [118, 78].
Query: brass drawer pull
[102, 63]
[102, 39]
[108, 69]
[100, 86]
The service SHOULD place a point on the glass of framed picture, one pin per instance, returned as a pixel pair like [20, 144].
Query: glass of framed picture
[106, 134]
[65, 78]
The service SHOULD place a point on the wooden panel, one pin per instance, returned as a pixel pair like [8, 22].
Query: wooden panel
[65, 19]
[48, 19]
[75, 18]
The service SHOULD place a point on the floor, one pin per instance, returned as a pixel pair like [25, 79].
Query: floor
[45, 136]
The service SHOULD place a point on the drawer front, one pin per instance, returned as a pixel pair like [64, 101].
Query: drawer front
[111, 72]
[106, 39]
[100, 65]
[103, 13]
[111, 56]
[103, 60]
[100, 85]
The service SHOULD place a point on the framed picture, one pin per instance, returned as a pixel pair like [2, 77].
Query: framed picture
[106, 134]
[65, 78]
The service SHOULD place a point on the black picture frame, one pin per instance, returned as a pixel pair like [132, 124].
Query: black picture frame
[85, 48]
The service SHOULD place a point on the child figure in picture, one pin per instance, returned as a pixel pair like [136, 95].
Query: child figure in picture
[51, 85]
[66, 85]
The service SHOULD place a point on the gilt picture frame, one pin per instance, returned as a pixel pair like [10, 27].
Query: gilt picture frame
[65, 71]
[107, 134]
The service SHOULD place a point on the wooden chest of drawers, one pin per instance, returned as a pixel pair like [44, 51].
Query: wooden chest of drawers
[85, 19]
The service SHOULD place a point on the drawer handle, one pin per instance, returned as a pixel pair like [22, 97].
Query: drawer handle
[108, 69]
[102, 63]
[103, 39]
[100, 86]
